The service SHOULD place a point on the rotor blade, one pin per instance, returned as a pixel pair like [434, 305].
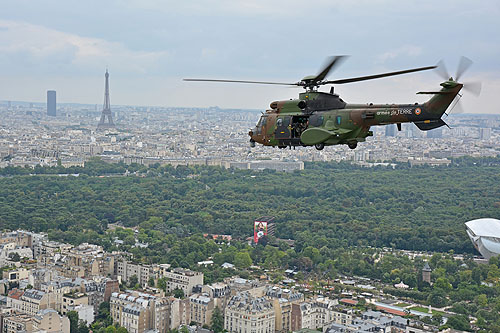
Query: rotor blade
[331, 63]
[463, 65]
[441, 70]
[242, 81]
[473, 87]
[377, 76]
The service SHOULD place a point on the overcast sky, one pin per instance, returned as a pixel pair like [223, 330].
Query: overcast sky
[150, 45]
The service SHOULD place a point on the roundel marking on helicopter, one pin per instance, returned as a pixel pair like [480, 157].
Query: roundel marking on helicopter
[418, 111]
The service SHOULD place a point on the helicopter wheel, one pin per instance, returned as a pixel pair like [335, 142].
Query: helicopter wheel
[281, 147]
[319, 146]
[352, 145]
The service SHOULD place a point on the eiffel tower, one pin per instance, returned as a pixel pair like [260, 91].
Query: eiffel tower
[106, 110]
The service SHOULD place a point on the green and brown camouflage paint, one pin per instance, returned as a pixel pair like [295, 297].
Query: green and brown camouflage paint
[331, 121]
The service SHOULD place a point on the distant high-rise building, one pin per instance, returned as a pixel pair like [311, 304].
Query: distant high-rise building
[485, 133]
[390, 130]
[106, 110]
[9, 104]
[436, 133]
[51, 103]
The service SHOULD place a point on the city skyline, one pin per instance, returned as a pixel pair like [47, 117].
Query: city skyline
[150, 46]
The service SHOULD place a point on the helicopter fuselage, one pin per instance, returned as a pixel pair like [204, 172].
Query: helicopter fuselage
[323, 119]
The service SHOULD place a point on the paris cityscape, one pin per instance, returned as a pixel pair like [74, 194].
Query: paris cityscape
[45, 280]
[43, 134]
[249, 166]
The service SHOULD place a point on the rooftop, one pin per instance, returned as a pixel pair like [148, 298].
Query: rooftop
[486, 227]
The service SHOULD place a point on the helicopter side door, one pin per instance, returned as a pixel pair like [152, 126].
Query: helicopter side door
[282, 131]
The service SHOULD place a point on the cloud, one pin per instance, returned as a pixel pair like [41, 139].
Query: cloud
[43, 50]
[403, 51]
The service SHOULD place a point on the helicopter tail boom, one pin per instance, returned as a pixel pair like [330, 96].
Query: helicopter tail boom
[435, 107]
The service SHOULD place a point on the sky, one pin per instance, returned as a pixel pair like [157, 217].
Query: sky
[149, 46]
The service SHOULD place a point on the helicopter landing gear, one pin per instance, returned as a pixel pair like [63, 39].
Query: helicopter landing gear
[319, 146]
[352, 144]
[281, 147]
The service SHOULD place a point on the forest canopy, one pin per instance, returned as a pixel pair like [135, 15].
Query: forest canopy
[327, 204]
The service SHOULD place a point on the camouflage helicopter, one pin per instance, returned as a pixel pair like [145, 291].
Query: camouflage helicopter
[322, 119]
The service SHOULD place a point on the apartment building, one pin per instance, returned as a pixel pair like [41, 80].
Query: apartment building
[70, 300]
[29, 302]
[247, 314]
[318, 313]
[50, 321]
[201, 308]
[124, 270]
[185, 279]
[135, 311]
[17, 322]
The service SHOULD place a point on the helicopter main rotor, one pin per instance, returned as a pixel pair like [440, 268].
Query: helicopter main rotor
[312, 82]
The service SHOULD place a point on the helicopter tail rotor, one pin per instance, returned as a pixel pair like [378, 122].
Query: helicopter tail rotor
[442, 71]
[473, 87]
[463, 66]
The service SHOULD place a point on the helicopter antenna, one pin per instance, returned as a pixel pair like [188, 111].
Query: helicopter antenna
[455, 104]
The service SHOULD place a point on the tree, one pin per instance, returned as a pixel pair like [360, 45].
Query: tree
[178, 293]
[476, 275]
[14, 256]
[133, 281]
[110, 329]
[184, 329]
[264, 240]
[73, 321]
[443, 284]
[217, 321]
[458, 322]
[103, 318]
[82, 327]
[437, 318]
[162, 283]
[482, 300]
[242, 259]
[151, 281]
[437, 298]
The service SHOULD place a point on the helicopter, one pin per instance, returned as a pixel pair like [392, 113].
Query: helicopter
[322, 119]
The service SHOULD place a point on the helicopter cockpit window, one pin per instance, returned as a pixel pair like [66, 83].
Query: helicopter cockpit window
[262, 121]
[339, 120]
[279, 122]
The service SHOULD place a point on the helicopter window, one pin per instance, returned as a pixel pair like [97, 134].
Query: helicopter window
[316, 120]
[339, 120]
[279, 122]
[263, 121]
